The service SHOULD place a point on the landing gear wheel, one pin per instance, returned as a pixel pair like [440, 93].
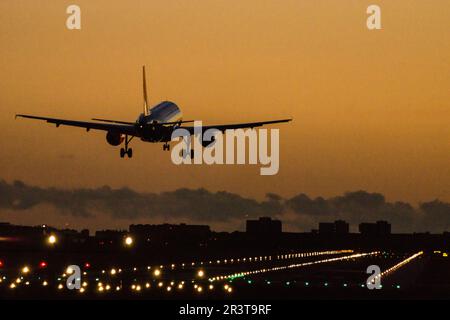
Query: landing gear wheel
[126, 151]
[166, 146]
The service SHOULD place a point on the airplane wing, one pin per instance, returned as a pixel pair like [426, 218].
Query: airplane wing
[128, 129]
[224, 127]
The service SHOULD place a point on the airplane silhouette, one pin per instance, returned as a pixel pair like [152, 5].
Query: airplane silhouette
[153, 125]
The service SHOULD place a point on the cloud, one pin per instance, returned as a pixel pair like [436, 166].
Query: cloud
[301, 212]
[302, 204]
[436, 215]
[124, 203]
[356, 203]
[356, 207]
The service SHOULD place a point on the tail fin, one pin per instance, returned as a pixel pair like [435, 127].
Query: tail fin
[144, 84]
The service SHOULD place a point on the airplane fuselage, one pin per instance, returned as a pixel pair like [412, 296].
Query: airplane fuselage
[163, 112]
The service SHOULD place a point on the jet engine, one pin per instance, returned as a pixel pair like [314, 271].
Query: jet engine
[114, 138]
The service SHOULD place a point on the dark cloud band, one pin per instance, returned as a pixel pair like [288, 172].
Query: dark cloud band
[203, 205]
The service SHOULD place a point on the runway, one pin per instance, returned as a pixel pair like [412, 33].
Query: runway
[326, 274]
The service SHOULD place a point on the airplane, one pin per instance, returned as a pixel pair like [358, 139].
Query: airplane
[153, 125]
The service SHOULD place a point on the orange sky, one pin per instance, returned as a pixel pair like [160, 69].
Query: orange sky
[371, 108]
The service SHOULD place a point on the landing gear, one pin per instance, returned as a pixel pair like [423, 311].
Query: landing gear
[126, 151]
[166, 146]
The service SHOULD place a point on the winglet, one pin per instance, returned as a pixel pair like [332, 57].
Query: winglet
[144, 85]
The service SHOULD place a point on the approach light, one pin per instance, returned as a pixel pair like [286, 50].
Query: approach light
[25, 270]
[200, 273]
[157, 272]
[128, 241]
[52, 239]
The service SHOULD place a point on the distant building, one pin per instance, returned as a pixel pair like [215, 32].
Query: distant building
[109, 236]
[341, 227]
[326, 227]
[337, 227]
[74, 236]
[380, 228]
[24, 234]
[11, 230]
[169, 233]
[264, 225]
